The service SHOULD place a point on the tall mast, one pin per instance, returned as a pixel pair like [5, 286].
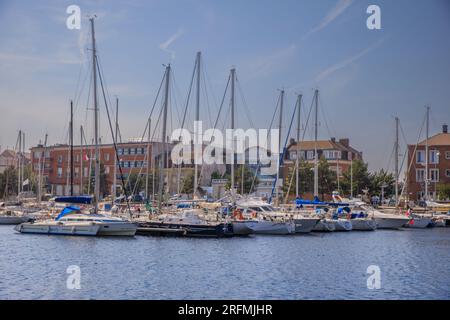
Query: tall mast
[19, 166]
[280, 124]
[316, 156]
[164, 129]
[396, 160]
[426, 153]
[351, 175]
[81, 160]
[233, 78]
[147, 195]
[297, 173]
[71, 147]
[116, 134]
[197, 118]
[97, 150]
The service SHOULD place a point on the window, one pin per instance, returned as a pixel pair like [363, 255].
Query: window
[310, 154]
[293, 155]
[77, 158]
[447, 155]
[107, 169]
[434, 156]
[126, 151]
[139, 150]
[85, 172]
[133, 151]
[37, 154]
[420, 156]
[447, 173]
[420, 175]
[60, 158]
[76, 172]
[434, 175]
[120, 151]
[106, 156]
[59, 172]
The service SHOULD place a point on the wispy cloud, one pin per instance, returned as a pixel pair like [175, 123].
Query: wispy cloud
[344, 63]
[335, 12]
[166, 44]
[266, 64]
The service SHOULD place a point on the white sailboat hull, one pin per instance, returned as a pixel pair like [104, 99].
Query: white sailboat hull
[305, 224]
[388, 222]
[363, 224]
[79, 229]
[116, 229]
[324, 225]
[418, 223]
[272, 227]
[242, 228]
[13, 219]
[342, 225]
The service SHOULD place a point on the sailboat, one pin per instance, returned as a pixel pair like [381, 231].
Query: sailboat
[71, 220]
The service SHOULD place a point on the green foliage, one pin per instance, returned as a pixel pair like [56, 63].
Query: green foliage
[443, 190]
[327, 178]
[361, 178]
[249, 179]
[306, 178]
[188, 184]
[380, 178]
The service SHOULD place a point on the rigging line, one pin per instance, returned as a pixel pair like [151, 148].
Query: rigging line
[244, 102]
[106, 85]
[113, 138]
[207, 80]
[188, 95]
[412, 158]
[325, 117]
[177, 92]
[270, 127]
[307, 119]
[217, 118]
[205, 88]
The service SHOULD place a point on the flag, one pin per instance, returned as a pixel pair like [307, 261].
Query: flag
[25, 183]
[86, 158]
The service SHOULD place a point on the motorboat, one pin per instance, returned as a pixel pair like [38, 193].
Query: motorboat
[52, 227]
[266, 220]
[389, 219]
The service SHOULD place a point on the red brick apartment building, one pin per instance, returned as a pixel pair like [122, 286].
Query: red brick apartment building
[54, 162]
[438, 166]
[339, 154]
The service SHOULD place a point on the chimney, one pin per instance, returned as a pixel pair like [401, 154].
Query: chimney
[345, 142]
[333, 139]
[444, 128]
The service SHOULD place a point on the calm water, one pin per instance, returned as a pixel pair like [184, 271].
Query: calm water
[414, 265]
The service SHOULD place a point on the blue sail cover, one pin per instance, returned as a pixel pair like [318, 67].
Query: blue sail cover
[299, 202]
[66, 211]
[75, 199]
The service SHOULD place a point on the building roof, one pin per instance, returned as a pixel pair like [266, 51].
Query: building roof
[7, 153]
[440, 139]
[310, 145]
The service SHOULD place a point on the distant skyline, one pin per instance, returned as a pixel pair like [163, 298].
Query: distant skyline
[365, 77]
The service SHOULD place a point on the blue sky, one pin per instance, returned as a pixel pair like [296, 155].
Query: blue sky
[365, 77]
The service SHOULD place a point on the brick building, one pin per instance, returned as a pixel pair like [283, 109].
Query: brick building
[438, 166]
[339, 154]
[10, 158]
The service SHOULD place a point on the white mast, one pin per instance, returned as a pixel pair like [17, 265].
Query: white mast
[197, 118]
[396, 161]
[164, 129]
[116, 134]
[97, 150]
[426, 154]
[233, 78]
[148, 157]
[297, 173]
[280, 124]
[316, 157]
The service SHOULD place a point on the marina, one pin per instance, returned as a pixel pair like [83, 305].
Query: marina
[413, 265]
[232, 160]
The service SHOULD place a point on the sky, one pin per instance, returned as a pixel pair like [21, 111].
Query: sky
[365, 77]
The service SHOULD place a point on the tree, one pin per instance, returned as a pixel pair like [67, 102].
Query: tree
[136, 183]
[306, 178]
[188, 184]
[361, 178]
[249, 179]
[380, 178]
[327, 178]
[443, 190]
[216, 175]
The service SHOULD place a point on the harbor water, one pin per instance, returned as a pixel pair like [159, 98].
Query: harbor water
[413, 264]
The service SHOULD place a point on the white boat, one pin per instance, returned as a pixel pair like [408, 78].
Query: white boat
[363, 224]
[59, 228]
[266, 220]
[242, 227]
[389, 220]
[304, 224]
[325, 225]
[342, 224]
[419, 222]
[13, 219]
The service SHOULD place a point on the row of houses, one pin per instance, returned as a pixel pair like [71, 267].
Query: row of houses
[139, 157]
